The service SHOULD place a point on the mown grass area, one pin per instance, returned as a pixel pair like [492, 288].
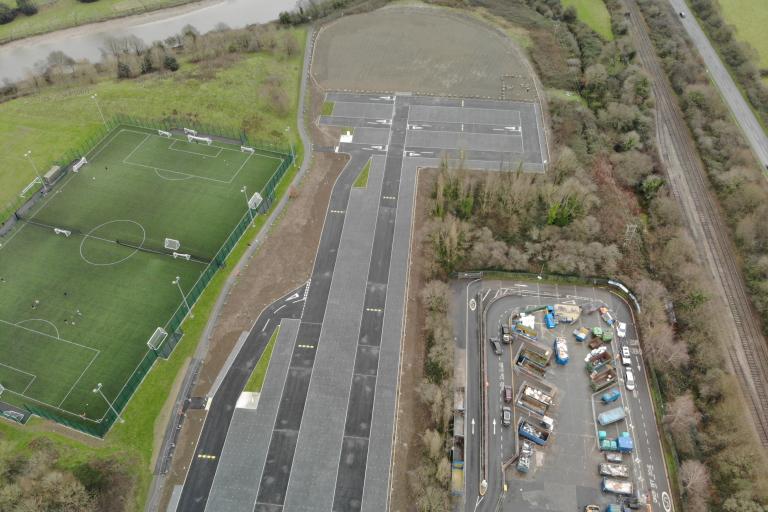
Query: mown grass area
[61, 118]
[327, 108]
[217, 100]
[256, 380]
[362, 179]
[749, 17]
[593, 13]
[59, 14]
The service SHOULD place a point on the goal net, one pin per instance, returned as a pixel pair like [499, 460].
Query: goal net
[164, 133]
[190, 131]
[171, 244]
[247, 149]
[79, 165]
[157, 338]
[255, 201]
[195, 138]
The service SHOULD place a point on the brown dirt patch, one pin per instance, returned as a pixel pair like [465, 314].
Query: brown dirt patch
[424, 50]
[412, 419]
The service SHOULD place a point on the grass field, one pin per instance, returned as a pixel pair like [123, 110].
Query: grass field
[749, 17]
[231, 98]
[79, 310]
[230, 95]
[58, 14]
[593, 13]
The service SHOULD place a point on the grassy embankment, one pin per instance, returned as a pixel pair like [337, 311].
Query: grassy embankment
[45, 123]
[593, 13]
[60, 14]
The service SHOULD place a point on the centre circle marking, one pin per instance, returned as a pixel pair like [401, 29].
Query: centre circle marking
[88, 235]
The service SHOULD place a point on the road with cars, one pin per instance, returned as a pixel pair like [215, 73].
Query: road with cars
[564, 473]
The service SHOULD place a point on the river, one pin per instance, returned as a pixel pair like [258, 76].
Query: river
[85, 42]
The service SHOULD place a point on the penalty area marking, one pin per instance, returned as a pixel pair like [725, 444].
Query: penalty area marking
[58, 336]
[171, 148]
[88, 235]
[34, 377]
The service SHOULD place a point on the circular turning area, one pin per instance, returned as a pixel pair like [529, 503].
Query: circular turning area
[100, 249]
[421, 50]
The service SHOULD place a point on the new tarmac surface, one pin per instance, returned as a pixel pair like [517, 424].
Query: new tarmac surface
[321, 437]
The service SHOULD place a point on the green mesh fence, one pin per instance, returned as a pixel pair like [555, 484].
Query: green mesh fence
[173, 326]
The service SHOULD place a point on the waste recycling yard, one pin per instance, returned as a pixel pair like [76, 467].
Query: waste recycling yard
[551, 453]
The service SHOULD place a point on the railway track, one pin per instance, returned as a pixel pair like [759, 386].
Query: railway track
[749, 354]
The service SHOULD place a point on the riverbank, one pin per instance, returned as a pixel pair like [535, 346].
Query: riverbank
[64, 14]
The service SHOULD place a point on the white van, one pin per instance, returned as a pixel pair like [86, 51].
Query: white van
[629, 380]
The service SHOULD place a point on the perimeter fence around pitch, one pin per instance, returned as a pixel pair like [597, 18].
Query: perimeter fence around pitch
[99, 428]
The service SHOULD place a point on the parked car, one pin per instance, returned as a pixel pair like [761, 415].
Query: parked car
[611, 395]
[621, 329]
[506, 334]
[629, 380]
[506, 416]
[496, 346]
[507, 394]
[626, 360]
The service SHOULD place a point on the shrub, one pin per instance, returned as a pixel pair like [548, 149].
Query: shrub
[170, 63]
[7, 14]
[26, 7]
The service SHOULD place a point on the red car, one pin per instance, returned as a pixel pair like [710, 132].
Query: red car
[507, 394]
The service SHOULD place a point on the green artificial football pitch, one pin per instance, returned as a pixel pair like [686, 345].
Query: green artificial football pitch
[78, 310]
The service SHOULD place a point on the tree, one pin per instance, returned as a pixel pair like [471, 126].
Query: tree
[681, 419]
[694, 477]
[170, 63]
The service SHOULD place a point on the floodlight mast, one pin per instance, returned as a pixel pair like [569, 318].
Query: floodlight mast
[177, 282]
[28, 156]
[98, 390]
[244, 190]
[95, 99]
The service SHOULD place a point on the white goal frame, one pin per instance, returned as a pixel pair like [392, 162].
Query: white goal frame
[190, 131]
[164, 133]
[195, 138]
[171, 244]
[158, 337]
[79, 165]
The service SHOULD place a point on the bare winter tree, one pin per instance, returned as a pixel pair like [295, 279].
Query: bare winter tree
[694, 477]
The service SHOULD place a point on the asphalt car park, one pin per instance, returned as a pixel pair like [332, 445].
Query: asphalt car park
[563, 474]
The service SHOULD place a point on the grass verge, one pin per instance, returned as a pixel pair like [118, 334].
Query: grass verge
[256, 380]
[327, 109]
[594, 14]
[71, 13]
[362, 179]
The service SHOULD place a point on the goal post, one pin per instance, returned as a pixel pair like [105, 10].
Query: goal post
[247, 149]
[164, 133]
[190, 131]
[157, 338]
[79, 165]
[255, 201]
[195, 138]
